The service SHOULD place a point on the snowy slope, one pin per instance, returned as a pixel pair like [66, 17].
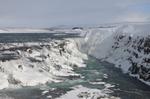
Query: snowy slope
[28, 64]
[125, 45]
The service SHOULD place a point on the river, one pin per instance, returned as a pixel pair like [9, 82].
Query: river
[96, 75]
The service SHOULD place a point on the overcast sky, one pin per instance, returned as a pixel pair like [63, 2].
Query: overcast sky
[47, 13]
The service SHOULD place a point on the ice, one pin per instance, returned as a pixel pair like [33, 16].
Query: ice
[121, 46]
[39, 63]
[80, 92]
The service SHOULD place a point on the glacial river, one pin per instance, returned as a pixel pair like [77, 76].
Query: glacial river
[93, 75]
[96, 75]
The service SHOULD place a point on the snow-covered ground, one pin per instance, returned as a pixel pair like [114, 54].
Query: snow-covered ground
[36, 30]
[29, 64]
[23, 30]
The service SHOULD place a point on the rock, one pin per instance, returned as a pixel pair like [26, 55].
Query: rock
[20, 67]
[12, 80]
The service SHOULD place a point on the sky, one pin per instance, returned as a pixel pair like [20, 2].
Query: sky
[49, 13]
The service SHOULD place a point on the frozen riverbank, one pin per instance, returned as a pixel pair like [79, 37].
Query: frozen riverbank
[99, 80]
[30, 64]
[125, 45]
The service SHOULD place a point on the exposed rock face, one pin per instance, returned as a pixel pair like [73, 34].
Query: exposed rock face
[138, 50]
[126, 46]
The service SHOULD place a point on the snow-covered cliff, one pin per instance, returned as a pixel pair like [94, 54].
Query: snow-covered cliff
[28, 64]
[125, 45]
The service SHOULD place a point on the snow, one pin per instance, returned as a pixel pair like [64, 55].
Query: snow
[58, 31]
[45, 62]
[80, 92]
[24, 30]
[39, 63]
[99, 83]
[118, 45]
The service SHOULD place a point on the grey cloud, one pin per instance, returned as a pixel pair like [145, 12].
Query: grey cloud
[46, 13]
